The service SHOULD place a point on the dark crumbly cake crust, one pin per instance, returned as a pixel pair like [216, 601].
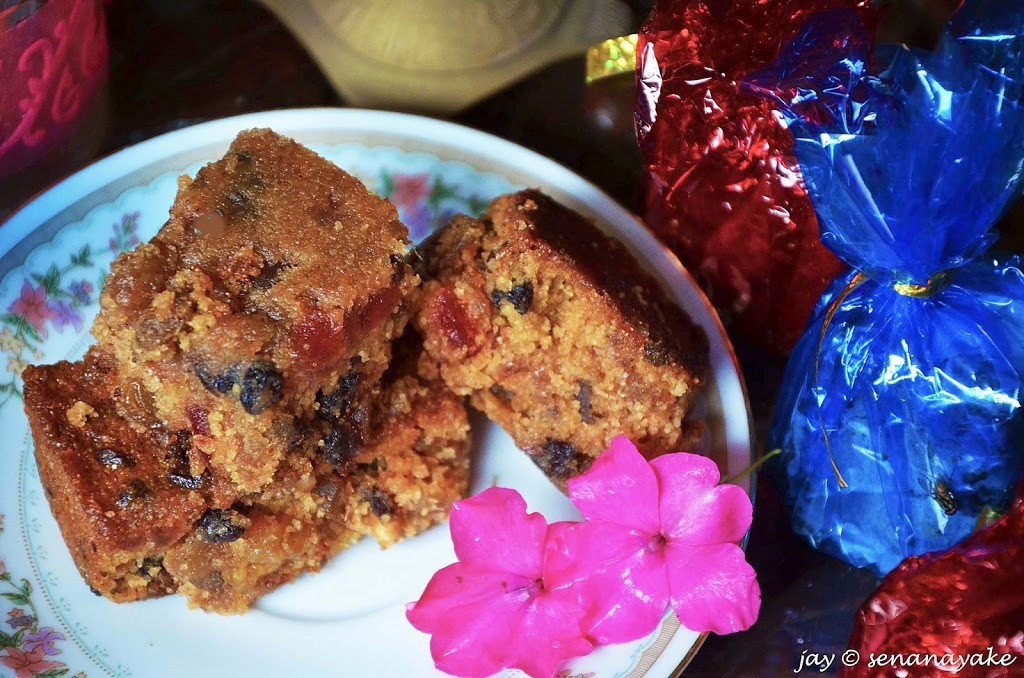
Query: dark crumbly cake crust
[275, 273]
[233, 427]
[556, 334]
[111, 488]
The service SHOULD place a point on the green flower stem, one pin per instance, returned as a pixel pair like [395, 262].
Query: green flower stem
[753, 468]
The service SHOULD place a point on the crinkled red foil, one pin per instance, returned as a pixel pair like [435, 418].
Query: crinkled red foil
[724, 188]
[959, 602]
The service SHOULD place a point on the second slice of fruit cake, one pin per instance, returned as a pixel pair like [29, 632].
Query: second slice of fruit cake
[277, 277]
[557, 334]
[140, 523]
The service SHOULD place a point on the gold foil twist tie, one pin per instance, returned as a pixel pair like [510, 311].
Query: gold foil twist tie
[855, 282]
[612, 57]
[934, 285]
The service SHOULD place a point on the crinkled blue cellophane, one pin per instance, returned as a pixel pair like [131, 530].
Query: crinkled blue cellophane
[900, 414]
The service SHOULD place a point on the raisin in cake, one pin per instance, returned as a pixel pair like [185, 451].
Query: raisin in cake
[556, 334]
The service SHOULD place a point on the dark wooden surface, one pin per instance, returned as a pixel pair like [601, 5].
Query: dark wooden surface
[178, 62]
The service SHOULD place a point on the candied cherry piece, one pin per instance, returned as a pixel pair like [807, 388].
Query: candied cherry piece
[261, 386]
[318, 339]
[448, 313]
[198, 418]
[363, 320]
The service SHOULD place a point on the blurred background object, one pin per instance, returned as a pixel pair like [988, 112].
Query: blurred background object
[439, 57]
[53, 78]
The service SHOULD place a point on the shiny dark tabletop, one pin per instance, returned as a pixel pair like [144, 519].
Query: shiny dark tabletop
[178, 62]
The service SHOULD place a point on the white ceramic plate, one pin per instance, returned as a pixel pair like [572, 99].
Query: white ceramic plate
[349, 619]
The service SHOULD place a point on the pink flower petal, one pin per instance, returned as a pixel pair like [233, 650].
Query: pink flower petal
[616, 575]
[713, 587]
[464, 610]
[549, 635]
[492, 531]
[460, 586]
[482, 622]
[619, 487]
[693, 509]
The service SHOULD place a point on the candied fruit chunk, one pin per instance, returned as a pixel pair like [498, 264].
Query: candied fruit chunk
[199, 419]
[373, 313]
[318, 338]
[448, 313]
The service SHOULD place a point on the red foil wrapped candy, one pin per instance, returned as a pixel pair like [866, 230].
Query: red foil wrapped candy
[965, 604]
[724, 188]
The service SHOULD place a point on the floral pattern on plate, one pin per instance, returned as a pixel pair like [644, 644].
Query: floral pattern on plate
[26, 648]
[53, 301]
[427, 202]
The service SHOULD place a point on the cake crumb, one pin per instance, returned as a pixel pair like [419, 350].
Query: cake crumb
[79, 413]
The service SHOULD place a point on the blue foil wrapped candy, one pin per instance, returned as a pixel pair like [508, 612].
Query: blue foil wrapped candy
[900, 414]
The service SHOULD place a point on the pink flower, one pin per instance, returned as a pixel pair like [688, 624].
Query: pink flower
[656, 533]
[32, 306]
[497, 607]
[410, 189]
[27, 664]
